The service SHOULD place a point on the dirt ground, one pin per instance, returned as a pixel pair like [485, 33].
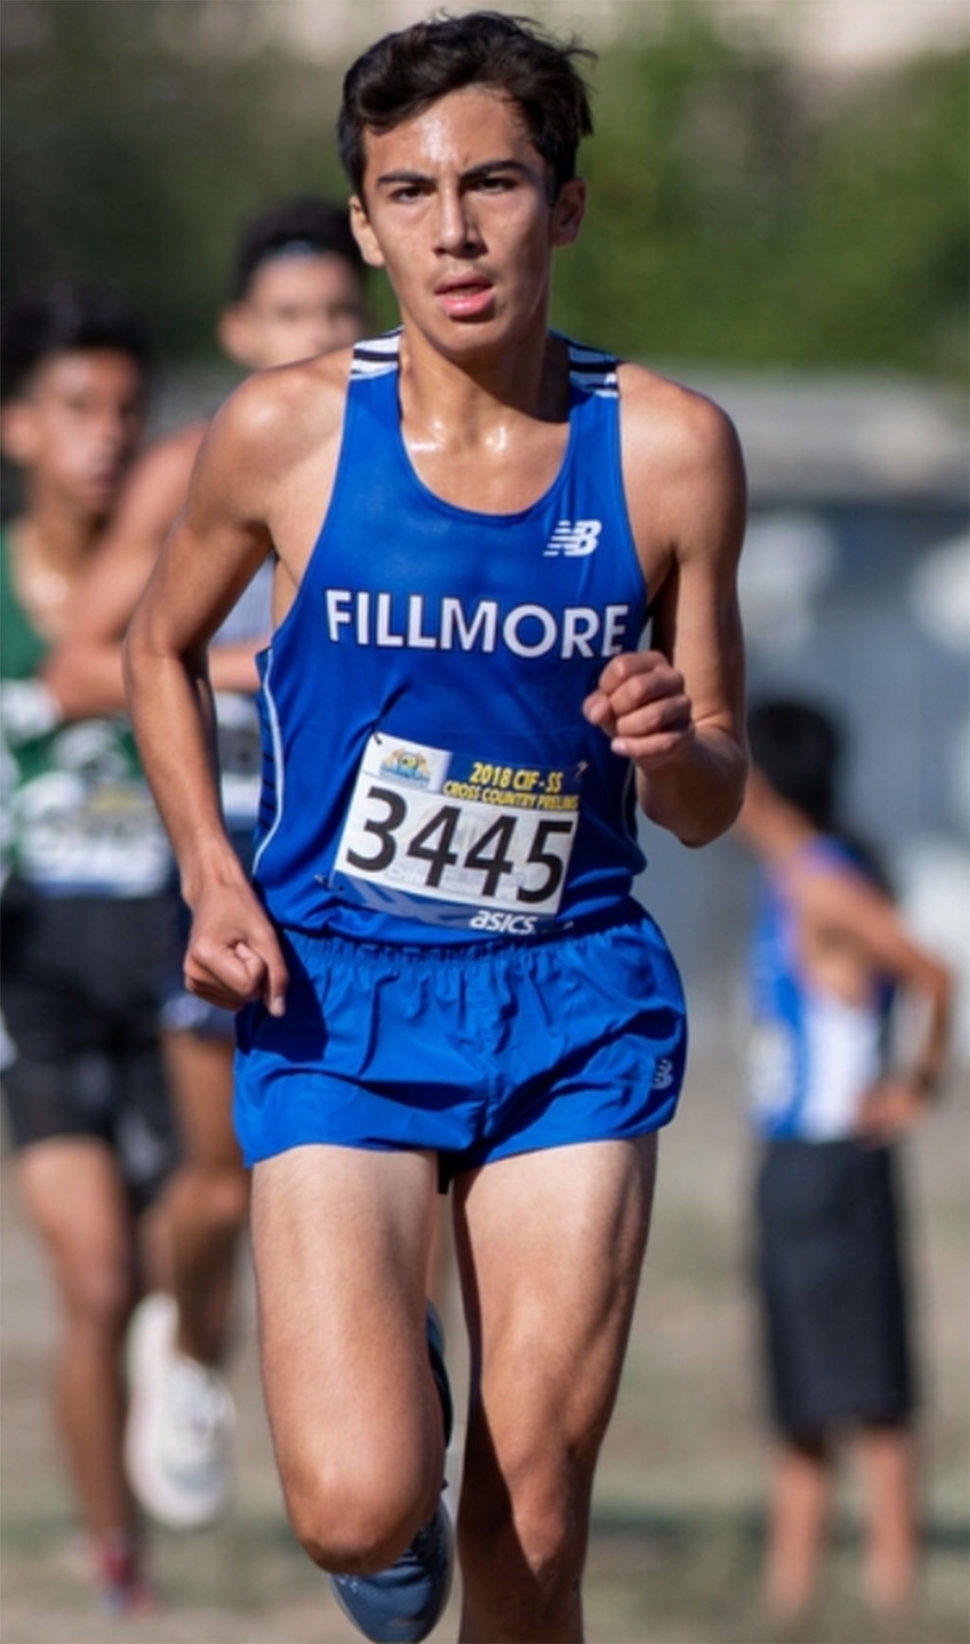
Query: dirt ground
[678, 1516]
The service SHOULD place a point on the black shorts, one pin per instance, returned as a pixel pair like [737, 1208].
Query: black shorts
[82, 984]
[832, 1285]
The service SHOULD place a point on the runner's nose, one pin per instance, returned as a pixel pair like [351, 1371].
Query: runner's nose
[456, 230]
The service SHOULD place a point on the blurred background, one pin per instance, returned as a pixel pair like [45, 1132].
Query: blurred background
[778, 217]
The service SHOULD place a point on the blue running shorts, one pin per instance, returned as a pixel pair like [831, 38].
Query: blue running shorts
[476, 1053]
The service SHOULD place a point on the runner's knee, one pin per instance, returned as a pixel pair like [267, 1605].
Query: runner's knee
[352, 1523]
[356, 1498]
[222, 1191]
[229, 1197]
[98, 1293]
[531, 1513]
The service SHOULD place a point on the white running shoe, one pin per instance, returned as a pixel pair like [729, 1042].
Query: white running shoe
[178, 1441]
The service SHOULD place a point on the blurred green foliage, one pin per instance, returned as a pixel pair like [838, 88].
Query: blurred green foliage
[133, 143]
[738, 214]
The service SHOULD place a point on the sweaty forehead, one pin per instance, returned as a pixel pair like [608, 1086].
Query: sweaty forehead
[464, 129]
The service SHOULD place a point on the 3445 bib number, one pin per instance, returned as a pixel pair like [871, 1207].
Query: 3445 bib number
[421, 840]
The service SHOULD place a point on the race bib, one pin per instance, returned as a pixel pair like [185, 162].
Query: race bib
[427, 827]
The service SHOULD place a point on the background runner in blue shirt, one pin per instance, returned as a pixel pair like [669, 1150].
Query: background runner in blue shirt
[830, 1097]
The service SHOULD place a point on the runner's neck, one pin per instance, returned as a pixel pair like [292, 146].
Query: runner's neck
[477, 402]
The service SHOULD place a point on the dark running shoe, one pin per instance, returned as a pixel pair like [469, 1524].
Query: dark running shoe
[401, 1605]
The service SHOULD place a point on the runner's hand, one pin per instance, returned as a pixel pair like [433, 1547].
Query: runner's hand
[233, 955]
[890, 1109]
[642, 707]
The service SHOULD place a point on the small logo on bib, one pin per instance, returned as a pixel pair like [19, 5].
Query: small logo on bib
[574, 538]
[408, 766]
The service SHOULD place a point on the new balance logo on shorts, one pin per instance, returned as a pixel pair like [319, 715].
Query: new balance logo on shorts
[663, 1076]
[574, 538]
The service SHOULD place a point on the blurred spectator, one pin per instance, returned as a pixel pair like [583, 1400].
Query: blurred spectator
[829, 952]
[296, 290]
[86, 910]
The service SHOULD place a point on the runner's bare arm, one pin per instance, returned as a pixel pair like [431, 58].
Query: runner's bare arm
[835, 904]
[677, 709]
[210, 556]
[268, 457]
[85, 673]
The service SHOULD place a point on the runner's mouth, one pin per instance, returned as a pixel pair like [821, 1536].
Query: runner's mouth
[465, 297]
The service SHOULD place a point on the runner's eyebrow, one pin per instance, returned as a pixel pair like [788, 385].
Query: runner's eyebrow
[488, 166]
[483, 169]
[402, 177]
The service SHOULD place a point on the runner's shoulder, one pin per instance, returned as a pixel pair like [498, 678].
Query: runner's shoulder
[673, 425]
[278, 416]
[683, 472]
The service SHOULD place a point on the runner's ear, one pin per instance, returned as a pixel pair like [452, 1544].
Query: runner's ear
[18, 433]
[568, 212]
[232, 330]
[364, 234]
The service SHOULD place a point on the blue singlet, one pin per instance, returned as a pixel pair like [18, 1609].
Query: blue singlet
[812, 1056]
[429, 775]
[445, 843]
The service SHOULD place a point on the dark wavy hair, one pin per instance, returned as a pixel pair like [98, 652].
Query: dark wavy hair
[60, 318]
[405, 72]
[306, 224]
[799, 748]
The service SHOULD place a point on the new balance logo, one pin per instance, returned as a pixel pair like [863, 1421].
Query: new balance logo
[663, 1076]
[574, 538]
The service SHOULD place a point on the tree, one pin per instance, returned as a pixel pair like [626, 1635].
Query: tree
[735, 216]
[133, 144]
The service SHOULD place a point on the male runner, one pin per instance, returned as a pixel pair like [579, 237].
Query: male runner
[296, 291]
[443, 971]
[830, 1098]
[86, 911]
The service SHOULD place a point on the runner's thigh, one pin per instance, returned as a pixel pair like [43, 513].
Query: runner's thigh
[72, 1190]
[340, 1242]
[551, 1245]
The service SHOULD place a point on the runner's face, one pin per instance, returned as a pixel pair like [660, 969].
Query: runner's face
[78, 425]
[297, 305]
[457, 210]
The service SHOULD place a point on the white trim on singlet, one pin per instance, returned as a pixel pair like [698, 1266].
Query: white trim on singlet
[277, 740]
[592, 370]
[376, 356]
[589, 368]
